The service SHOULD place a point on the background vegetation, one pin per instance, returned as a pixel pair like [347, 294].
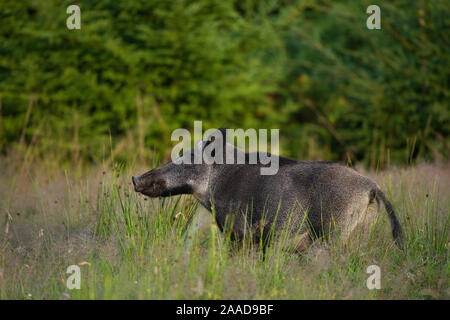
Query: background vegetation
[139, 69]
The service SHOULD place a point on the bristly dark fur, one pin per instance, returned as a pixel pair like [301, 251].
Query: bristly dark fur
[322, 193]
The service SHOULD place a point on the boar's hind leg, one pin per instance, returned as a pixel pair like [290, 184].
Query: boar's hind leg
[300, 243]
[359, 218]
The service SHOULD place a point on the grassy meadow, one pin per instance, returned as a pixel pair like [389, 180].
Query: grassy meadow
[131, 247]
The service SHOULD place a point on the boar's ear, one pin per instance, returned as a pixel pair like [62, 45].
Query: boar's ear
[218, 136]
[217, 141]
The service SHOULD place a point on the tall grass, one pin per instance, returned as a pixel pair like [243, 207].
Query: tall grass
[132, 247]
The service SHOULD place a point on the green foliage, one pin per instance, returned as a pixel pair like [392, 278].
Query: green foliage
[139, 69]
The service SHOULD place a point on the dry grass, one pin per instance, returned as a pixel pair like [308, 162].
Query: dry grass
[134, 248]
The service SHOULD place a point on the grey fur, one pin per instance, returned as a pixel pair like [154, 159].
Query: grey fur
[324, 194]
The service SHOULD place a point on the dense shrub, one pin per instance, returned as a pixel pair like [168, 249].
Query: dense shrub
[139, 69]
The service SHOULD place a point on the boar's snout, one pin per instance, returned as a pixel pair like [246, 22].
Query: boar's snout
[136, 185]
[150, 184]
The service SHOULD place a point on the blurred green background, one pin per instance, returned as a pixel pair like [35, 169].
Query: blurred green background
[139, 69]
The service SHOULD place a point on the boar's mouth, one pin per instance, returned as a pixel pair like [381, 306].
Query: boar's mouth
[151, 189]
